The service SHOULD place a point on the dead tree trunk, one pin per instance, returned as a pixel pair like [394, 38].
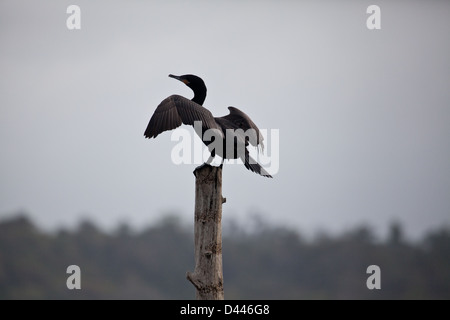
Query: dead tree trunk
[208, 276]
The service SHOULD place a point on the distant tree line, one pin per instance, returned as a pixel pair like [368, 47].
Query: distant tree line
[269, 263]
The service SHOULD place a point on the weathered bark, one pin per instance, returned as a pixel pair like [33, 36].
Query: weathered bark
[208, 276]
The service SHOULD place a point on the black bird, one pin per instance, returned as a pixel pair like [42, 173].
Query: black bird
[176, 110]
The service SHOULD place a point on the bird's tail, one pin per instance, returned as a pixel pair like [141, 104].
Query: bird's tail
[254, 166]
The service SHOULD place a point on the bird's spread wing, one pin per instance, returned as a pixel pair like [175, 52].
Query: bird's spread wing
[175, 110]
[254, 166]
[242, 121]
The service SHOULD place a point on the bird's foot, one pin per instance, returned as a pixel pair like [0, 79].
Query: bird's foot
[201, 167]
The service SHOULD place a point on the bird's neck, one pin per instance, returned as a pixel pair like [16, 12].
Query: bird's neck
[199, 96]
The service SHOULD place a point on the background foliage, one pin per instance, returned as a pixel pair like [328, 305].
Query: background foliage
[268, 263]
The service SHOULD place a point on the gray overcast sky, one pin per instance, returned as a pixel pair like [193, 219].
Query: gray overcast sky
[363, 116]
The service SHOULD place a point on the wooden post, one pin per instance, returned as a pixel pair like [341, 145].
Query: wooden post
[208, 275]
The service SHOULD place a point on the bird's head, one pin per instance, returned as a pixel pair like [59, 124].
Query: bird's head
[196, 84]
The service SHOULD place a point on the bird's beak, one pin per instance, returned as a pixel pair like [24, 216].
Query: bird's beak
[175, 77]
[179, 78]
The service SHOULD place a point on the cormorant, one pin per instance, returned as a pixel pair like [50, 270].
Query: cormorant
[176, 110]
